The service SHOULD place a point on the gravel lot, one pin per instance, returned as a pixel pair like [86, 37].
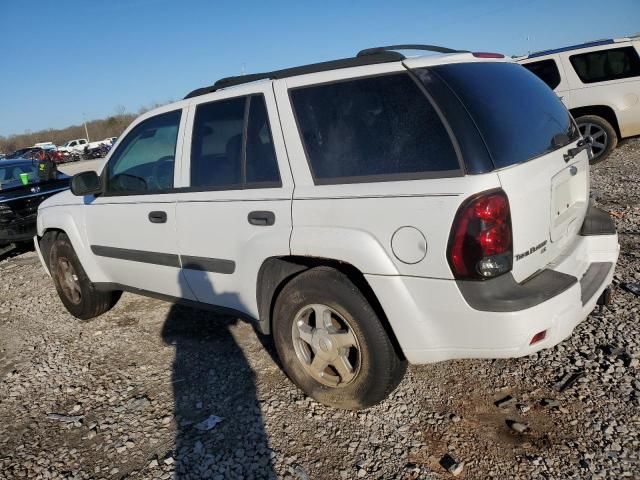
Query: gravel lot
[129, 394]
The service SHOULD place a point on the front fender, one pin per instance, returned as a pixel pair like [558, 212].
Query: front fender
[70, 219]
[356, 247]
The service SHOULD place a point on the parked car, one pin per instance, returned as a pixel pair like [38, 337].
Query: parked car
[21, 153]
[76, 145]
[23, 186]
[38, 153]
[426, 222]
[45, 145]
[79, 146]
[599, 82]
[99, 151]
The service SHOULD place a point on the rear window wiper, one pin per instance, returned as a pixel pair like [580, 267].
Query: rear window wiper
[583, 144]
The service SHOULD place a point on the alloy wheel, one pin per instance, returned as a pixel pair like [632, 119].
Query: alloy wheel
[596, 136]
[326, 345]
[68, 280]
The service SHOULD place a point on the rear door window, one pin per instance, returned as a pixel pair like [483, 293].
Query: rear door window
[603, 65]
[545, 70]
[232, 146]
[515, 112]
[262, 165]
[372, 129]
[216, 146]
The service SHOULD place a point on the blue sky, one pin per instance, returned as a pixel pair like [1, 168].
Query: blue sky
[67, 59]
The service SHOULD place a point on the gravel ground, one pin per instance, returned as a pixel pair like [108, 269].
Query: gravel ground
[152, 390]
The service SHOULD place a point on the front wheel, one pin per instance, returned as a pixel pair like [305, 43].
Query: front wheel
[600, 133]
[332, 343]
[77, 292]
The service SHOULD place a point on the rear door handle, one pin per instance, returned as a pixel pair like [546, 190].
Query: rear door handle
[261, 218]
[158, 217]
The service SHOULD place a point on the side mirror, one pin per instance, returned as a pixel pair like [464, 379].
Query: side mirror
[86, 183]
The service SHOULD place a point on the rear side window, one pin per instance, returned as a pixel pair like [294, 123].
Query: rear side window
[516, 114]
[372, 129]
[603, 65]
[545, 70]
[232, 146]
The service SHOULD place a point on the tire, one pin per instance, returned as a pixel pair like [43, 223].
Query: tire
[376, 368]
[598, 129]
[76, 291]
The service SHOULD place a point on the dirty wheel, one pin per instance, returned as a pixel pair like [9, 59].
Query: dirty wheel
[76, 291]
[332, 343]
[68, 280]
[326, 345]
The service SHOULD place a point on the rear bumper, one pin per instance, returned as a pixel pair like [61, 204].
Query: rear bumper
[434, 320]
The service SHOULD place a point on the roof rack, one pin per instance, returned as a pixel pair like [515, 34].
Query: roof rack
[595, 43]
[426, 48]
[382, 57]
[370, 56]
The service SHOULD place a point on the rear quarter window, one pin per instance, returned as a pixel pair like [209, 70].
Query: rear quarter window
[604, 65]
[369, 129]
[545, 70]
[516, 112]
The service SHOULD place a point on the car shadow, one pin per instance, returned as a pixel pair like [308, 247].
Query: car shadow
[14, 250]
[219, 428]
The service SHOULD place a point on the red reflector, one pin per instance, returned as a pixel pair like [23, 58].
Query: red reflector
[487, 55]
[538, 337]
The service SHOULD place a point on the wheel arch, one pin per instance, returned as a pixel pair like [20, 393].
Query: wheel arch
[276, 272]
[603, 111]
[54, 223]
[46, 240]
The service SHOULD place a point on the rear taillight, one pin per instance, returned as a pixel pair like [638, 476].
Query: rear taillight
[480, 244]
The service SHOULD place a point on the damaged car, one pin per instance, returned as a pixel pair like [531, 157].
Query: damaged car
[24, 185]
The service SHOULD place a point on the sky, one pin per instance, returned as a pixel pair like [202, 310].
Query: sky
[68, 60]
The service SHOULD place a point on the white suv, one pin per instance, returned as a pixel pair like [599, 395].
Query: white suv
[368, 212]
[599, 82]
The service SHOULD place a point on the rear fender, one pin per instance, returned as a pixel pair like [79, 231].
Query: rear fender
[355, 247]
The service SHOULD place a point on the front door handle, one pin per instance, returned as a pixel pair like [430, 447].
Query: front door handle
[261, 218]
[158, 217]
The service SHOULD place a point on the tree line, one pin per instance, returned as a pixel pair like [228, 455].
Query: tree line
[111, 126]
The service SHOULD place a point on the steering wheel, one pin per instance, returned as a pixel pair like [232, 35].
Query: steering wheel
[162, 173]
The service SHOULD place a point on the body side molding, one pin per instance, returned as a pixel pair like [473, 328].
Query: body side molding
[214, 265]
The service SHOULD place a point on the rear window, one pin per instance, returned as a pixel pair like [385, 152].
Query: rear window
[516, 113]
[603, 65]
[372, 129]
[545, 70]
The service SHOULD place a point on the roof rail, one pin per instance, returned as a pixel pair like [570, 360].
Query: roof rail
[595, 43]
[383, 56]
[426, 48]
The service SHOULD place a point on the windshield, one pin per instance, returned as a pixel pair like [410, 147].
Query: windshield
[10, 174]
[19, 153]
[517, 114]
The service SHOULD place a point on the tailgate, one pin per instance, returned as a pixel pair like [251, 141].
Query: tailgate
[548, 199]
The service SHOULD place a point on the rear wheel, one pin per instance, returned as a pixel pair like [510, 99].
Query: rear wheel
[332, 343]
[77, 292]
[600, 133]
